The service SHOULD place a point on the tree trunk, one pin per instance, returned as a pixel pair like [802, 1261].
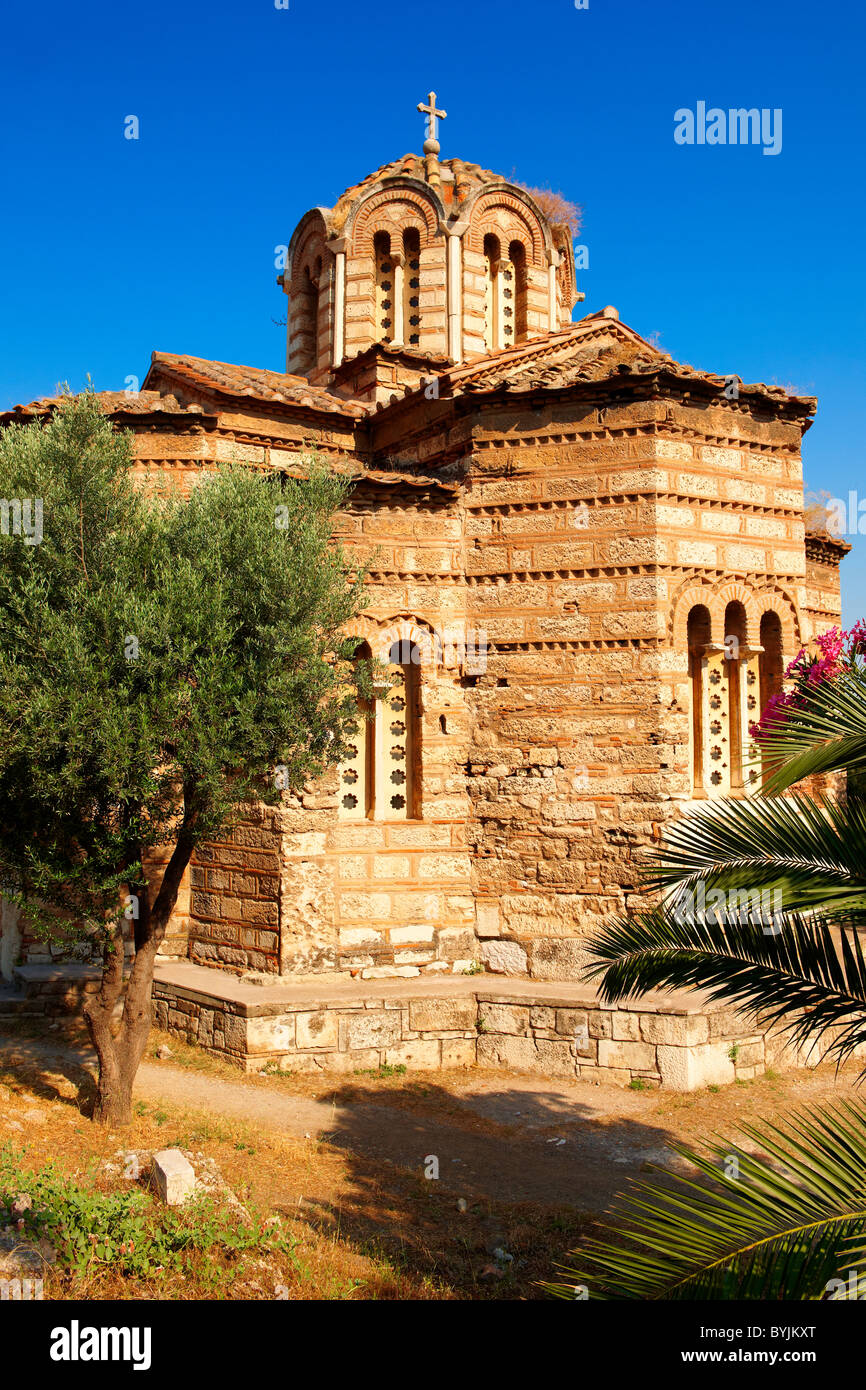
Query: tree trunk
[120, 1052]
[99, 1013]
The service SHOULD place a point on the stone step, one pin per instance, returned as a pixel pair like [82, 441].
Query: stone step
[14, 1004]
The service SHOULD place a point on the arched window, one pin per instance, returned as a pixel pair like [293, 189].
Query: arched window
[514, 293]
[492, 286]
[771, 668]
[698, 637]
[378, 780]
[384, 322]
[724, 687]
[399, 720]
[411, 286]
[357, 772]
[305, 313]
[772, 664]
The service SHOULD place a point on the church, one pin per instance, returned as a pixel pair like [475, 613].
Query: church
[588, 570]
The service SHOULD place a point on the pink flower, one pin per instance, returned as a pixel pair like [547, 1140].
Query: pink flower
[831, 653]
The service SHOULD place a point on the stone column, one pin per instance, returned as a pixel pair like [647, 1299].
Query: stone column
[339, 305]
[455, 296]
[399, 262]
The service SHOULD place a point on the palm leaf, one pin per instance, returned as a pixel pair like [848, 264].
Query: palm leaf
[827, 734]
[780, 1224]
[804, 974]
[804, 851]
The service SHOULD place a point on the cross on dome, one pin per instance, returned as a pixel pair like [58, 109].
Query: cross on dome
[431, 144]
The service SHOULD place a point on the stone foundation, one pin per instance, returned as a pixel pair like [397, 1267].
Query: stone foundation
[678, 1041]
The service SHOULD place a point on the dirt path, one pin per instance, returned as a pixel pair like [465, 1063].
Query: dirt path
[508, 1138]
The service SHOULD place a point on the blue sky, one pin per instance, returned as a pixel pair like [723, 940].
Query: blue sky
[738, 261]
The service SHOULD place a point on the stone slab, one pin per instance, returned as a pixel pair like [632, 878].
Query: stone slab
[174, 1177]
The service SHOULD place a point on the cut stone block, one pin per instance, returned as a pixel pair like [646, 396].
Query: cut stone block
[430, 1015]
[174, 1176]
[504, 957]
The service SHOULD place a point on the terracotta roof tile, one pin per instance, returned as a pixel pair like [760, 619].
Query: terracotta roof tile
[596, 347]
[111, 403]
[256, 383]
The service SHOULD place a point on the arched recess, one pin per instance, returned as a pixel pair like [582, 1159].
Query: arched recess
[383, 321]
[517, 262]
[774, 601]
[408, 653]
[691, 593]
[411, 286]
[308, 266]
[393, 210]
[357, 772]
[697, 637]
[492, 293]
[772, 660]
[737, 673]
[512, 216]
[718, 629]
[399, 727]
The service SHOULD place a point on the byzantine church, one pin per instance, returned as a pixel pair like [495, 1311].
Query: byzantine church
[588, 570]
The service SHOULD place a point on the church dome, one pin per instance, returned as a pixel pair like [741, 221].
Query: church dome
[435, 258]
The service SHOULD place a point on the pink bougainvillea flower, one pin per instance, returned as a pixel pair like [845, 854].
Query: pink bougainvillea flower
[831, 653]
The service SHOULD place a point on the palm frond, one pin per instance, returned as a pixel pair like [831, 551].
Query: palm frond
[778, 1224]
[805, 974]
[826, 734]
[807, 851]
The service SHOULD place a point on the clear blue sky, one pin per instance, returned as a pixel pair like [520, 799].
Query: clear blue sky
[739, 261]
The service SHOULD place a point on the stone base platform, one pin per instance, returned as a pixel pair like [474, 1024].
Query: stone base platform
[680, 1041]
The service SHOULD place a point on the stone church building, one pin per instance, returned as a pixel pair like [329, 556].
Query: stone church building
[589, 568]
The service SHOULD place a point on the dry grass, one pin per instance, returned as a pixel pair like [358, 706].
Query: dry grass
[352, 1228]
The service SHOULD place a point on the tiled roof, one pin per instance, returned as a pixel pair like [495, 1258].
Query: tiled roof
[819, 535]
[465, 178]
[111, 403]
[593, 349]
[256, 383]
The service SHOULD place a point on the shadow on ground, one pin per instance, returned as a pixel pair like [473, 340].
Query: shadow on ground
[436, 1178]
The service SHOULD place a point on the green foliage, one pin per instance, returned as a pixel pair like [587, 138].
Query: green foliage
[161, 659]
[827, 733]
[763, 903]
[780, 1224]
[128, 1231]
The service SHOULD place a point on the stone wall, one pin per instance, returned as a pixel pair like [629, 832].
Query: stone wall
[543, 1029]
[589, 533]
[234, 914]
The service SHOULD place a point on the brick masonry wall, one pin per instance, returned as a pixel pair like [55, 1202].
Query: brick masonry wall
[585, 528]
[234, 908]
[588, 534]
